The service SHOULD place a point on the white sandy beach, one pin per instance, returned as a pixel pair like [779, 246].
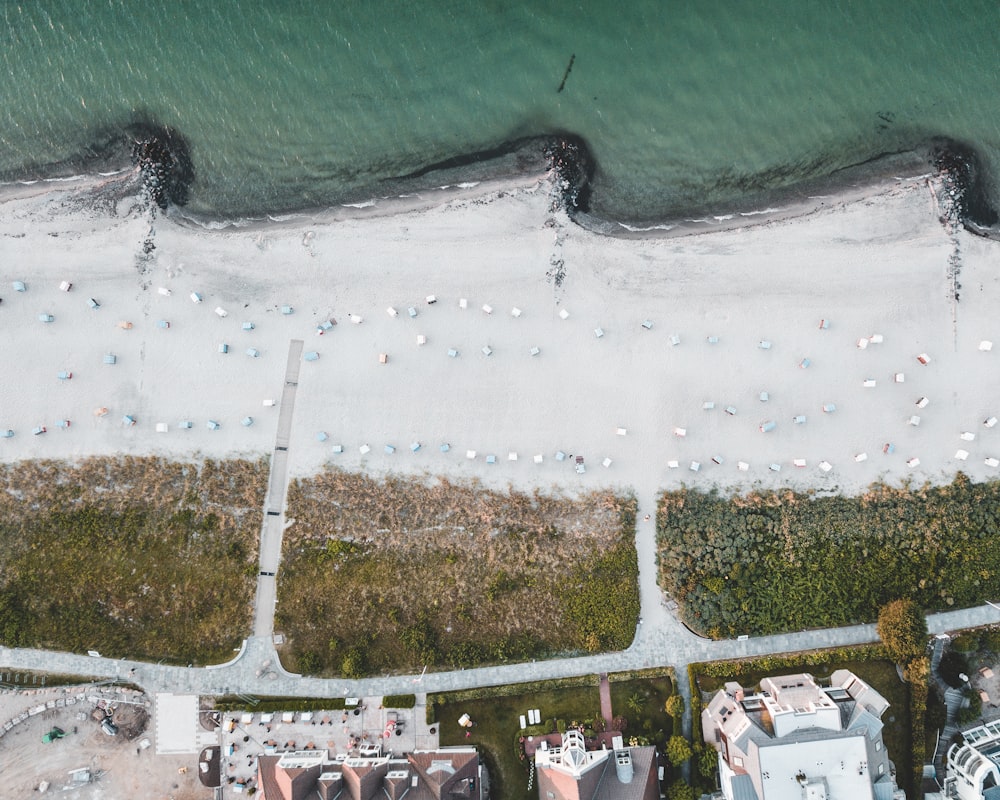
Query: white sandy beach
[876, 266]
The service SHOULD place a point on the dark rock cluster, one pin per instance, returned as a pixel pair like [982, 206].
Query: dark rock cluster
[968, 200]
[164, 164]
[569, 157]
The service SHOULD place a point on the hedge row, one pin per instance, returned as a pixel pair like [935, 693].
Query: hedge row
[399, 701]
[235, 703]
[642, 674]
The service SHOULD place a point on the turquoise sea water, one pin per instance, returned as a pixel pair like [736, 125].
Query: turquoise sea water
[683, 104]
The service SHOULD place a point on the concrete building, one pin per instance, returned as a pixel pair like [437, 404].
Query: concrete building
[571, 772]
[974, 765]
[452, 773]
[796, 740]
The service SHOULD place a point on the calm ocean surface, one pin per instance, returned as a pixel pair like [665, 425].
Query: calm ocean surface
[288, 104]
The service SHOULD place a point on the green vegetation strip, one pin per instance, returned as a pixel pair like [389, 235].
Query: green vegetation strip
[277, 703]
[133, 557]
[395, 574]
[778, 561]
[12, 679]
[399, 701]
[505, 690]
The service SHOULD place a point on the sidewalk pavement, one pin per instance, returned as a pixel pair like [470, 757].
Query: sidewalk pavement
[661, 640]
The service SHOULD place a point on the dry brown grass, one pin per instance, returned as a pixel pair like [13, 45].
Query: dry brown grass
[393, 573]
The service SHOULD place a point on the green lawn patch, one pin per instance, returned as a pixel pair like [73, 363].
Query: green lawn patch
[497, 718]
[641, 703]
[133, 557]
[394, 574]
[777, 561]
[497, 728]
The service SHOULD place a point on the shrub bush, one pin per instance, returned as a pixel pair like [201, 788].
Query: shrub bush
[973, 711]
[678, 750]
[399, 701]
[776, 561]
[680, 790]
[967, 642]
[991, 639]
[708, 762]
[903, 630]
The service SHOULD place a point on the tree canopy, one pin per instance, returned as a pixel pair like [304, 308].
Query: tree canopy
[678, 750]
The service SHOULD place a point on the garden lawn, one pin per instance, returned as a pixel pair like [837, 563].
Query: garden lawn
[648, 695]
[498, 721]
[497, 728]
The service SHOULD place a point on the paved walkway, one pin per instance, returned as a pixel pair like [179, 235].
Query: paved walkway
[661, 640]
[274, 504]
[651, 649]
[605, 689]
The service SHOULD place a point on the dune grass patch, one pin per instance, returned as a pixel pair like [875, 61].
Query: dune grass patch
[394, 574]
[135, 557]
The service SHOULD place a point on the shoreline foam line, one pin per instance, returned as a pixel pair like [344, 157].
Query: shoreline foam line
[523, 160]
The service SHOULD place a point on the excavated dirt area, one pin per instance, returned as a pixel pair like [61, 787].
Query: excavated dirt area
[87, 763]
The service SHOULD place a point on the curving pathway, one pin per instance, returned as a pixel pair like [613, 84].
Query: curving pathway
[660, 640]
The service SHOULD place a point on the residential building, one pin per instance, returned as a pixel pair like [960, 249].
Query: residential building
[571, 772]
[452, 773]
[974, 765]
[796, 740]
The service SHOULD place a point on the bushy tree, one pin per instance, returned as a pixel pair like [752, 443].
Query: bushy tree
[354, 664]
[674, 706]
[680, 790]
[678, 750]
[708, 762]
[309, 662]
[903, 630]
